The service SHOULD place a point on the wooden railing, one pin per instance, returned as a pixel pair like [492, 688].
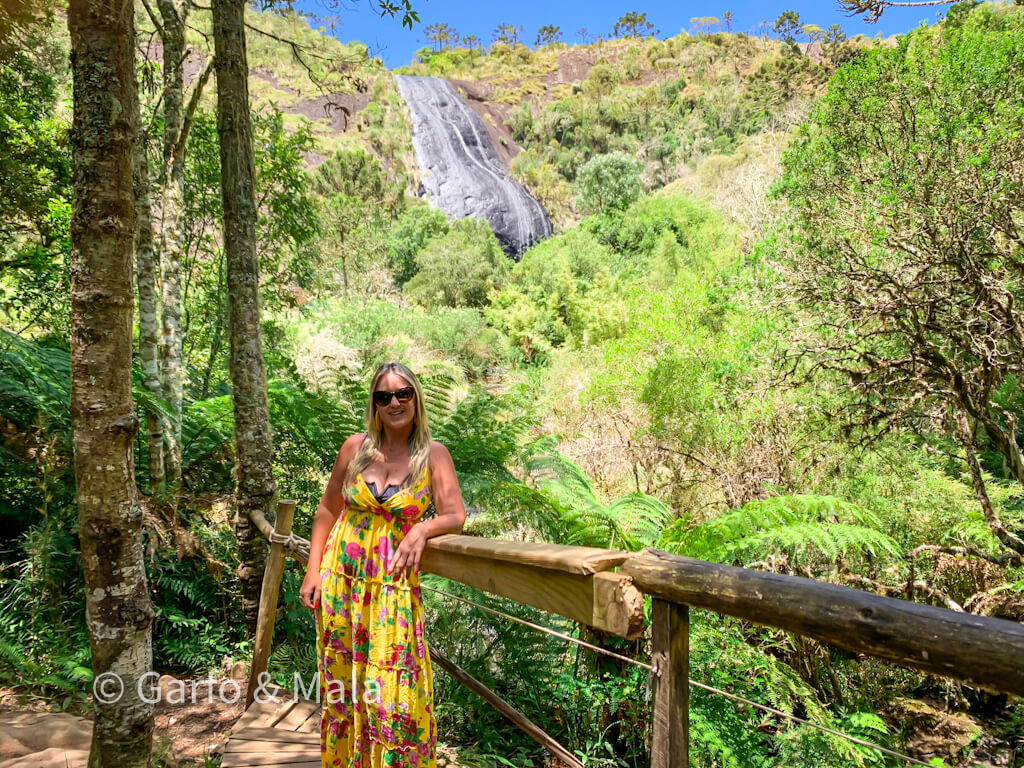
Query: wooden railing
[604, 589]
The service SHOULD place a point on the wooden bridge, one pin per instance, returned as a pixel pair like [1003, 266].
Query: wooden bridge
[605, 589]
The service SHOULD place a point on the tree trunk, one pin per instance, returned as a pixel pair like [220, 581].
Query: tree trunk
[149, 323]
[254, 479]
[118, 609]
[173, 15]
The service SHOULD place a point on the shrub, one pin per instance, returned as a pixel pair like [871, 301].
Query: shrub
[413, 229]
[460, 268]
[608, 182]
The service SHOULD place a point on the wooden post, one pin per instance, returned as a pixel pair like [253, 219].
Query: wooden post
[670, 642]
[268, 599]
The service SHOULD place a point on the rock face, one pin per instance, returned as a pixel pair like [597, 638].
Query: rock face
[462, 174]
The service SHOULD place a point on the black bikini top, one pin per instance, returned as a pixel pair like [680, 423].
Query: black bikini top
[388, 492]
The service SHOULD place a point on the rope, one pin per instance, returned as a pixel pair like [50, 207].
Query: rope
[704, 686]
[291, 541]
[550, 631]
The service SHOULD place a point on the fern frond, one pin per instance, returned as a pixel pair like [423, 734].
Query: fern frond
[808, 529]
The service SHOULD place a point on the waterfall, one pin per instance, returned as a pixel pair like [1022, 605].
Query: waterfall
[462, 174]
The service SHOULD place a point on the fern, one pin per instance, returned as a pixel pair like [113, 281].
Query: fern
[35, 383]
[630, 522]
[809, 530]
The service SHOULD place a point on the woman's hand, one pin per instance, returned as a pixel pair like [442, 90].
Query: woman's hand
[309, 592]
[409, 552]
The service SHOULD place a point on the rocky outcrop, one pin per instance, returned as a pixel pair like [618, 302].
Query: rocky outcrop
[462, 173]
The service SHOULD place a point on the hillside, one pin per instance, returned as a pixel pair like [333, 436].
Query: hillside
[675, 103]
[777, 326]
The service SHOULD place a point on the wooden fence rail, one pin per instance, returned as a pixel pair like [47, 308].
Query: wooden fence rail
[580, 583]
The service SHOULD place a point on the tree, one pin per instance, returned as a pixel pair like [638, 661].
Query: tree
[443, 36]
[814, 33]
[787, 27]
[633, 24]
[472, 42]
[506, 34]
[177, 120]
[703, 25]
[359, 202]
[582, 34]
[254, 478]
[608, 182]
[832, 43]
[460, 268]
[872, 9]
[727, 19]
[118, 608]
[905, 194]
[410, 233]
[547, 35]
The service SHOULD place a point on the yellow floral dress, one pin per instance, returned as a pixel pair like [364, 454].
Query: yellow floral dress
[370, 637]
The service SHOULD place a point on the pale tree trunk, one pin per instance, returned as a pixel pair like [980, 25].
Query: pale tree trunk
[119, 613]
[254, 478]
[149, 323]
[173, 16]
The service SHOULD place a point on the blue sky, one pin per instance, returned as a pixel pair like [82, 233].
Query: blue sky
[396, 45]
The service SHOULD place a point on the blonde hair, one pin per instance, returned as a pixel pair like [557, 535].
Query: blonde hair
[419, 438]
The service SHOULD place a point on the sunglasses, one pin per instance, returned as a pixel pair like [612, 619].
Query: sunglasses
[383, 397]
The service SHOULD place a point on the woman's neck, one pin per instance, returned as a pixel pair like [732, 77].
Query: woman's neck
[393, 444]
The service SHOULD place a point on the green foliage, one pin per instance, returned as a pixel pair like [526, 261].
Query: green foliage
[787, 27]
[357, 205]
[35, 171]
[412, 230]
[459, 268]
[868, 214]
[630, 522]
[562, 288]
[607, 183]
[812, 531]
[633, 24]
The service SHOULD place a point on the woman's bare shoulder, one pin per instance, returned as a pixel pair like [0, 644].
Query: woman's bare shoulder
[350, 447]
[438, 450]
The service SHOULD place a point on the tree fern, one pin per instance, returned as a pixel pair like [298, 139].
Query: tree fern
[630, 522]
[35, 383]
[809, 530]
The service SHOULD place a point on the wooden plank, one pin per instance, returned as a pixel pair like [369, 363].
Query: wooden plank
[985, 652]
[568, 594]
[274, 755]
[580, 560]
[276, 734]
[305, 762]
[670, 707]
[258, 714]
[244, 746]
[298, 715]
[518, 718]
[269, 596]
[311, 724]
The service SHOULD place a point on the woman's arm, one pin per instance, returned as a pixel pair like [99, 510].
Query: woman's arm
[326, 516]
[451, 512]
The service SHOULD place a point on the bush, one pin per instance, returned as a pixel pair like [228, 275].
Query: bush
[563, 288]
[460, 268]
[413, 229]
[608, 182]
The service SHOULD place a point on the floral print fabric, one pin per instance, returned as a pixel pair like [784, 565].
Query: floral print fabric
[370, 638]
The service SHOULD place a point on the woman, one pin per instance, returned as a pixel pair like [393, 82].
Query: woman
[368, 537]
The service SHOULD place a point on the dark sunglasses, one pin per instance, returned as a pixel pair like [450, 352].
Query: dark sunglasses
[383, 397]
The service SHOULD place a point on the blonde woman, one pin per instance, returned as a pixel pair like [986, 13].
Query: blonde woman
[368, 536]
